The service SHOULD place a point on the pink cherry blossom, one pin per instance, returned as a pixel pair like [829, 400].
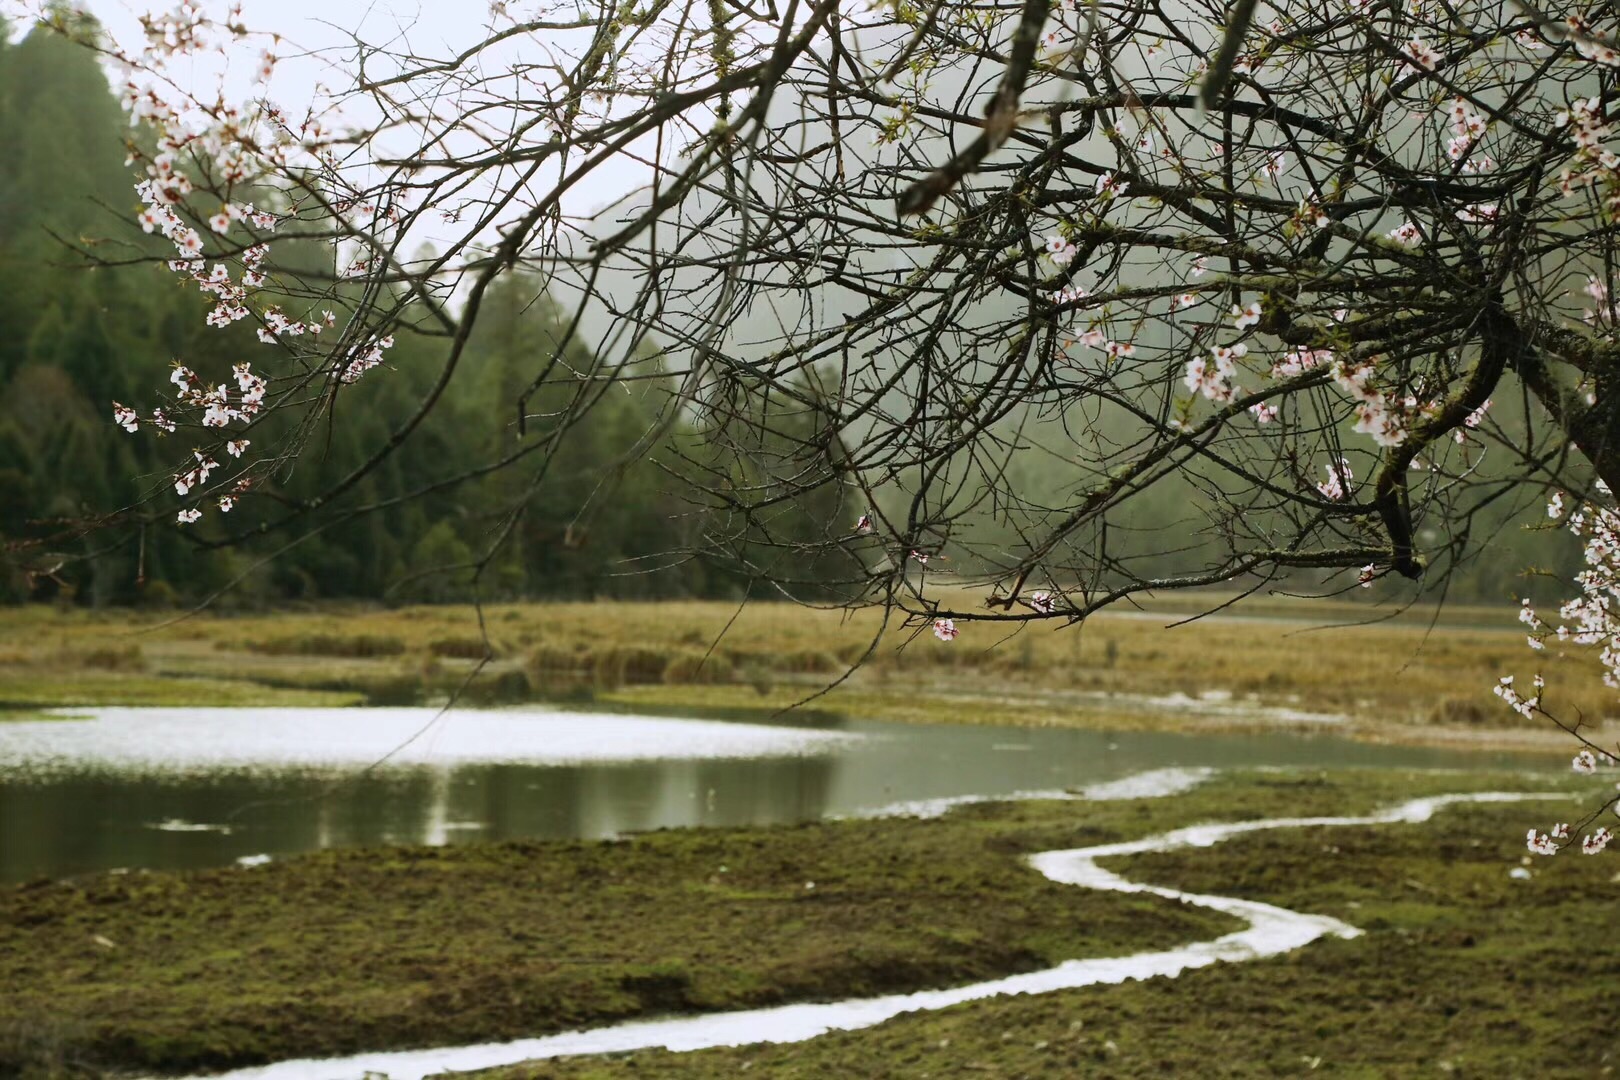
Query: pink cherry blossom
[1421, 54]
[1337, 484]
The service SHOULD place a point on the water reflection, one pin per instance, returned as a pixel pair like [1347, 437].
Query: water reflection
[75, 823]
[65, 809]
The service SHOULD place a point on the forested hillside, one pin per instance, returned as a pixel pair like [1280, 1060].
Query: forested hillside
[80, 337]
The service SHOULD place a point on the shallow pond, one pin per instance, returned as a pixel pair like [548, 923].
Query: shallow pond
[159, 787]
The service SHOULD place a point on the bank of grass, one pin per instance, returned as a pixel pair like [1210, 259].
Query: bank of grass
[13, 716]
[390, 948]
[1462, 971]
[49, 689]
[1400, 679]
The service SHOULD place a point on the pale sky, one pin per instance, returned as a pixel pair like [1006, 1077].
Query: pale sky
[323, 28]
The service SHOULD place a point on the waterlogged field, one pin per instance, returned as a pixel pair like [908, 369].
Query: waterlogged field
[388, 949]
[1294, 664]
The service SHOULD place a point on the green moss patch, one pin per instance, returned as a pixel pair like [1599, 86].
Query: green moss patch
[1463, 971]
[36, 689]
[389, 948]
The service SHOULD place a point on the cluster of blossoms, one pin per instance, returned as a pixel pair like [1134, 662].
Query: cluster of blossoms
[1527, 615]
[1300, 361]
[1586, 762]
[1467, 129]
[1421, 53]
[945, 629]
[1337, 486]
[1375, 415]
[1593, 166]
[1309, 214]
[197, 475]
[159, 216]
[1591, 618]
[1096, 339]
[217, 408]
[1473, 420]
[1480, 214]
[214, 401]
[1547, 843]
[277, 325]
[1523, 706]
[1213, 377]
[1589, 44]
[1406, 234]
[210, 146]
[1109, 185]
[130, 420]
[1606, 310]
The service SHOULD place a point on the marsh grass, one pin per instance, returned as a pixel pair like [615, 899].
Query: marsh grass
[1313, 657]
[344, 951]
[341, 951]
[1463, 971]
[353, 645]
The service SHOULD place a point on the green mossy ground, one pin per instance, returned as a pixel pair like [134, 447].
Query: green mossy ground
[352, 950]
[1463, 971]
[30, 691]
[388, 948]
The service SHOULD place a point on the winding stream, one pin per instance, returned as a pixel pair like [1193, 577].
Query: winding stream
[1271, 931]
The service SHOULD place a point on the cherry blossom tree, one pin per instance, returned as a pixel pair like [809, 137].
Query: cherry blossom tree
[1338, 280]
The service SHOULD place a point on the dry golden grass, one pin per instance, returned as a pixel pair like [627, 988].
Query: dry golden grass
[1310, 656]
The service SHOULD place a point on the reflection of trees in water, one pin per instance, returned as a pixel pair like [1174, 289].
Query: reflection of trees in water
[601, 800]
[778, 790]
[79, 823]
[40, 830]
[92, 821]
[76, 823]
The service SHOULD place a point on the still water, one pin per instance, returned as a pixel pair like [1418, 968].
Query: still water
[160, 788]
